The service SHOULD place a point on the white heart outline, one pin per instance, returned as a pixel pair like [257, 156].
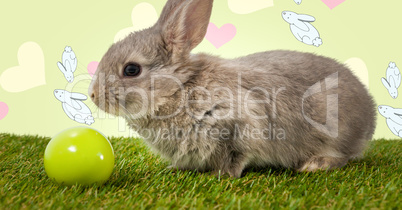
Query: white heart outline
[148, 15]
[30, 71]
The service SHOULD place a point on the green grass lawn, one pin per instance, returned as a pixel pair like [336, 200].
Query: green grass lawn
[140, 180]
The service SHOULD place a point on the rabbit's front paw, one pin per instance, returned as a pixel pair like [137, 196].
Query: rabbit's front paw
[317, 42]
[322, 163]
[227, 173]
[173, 168]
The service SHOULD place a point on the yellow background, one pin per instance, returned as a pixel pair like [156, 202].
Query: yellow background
[365, 29]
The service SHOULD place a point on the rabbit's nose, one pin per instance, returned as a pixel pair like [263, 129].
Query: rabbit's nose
[284, 13]
[380, 107]
[56, 91]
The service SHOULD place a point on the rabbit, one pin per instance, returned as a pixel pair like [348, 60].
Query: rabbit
[301, 27]
[393, 80]
[74, 107]
[298, 2]
[69, 64]
[205, 113]
[394, 118]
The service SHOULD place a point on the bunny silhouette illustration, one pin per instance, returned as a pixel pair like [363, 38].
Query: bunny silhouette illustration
[393, 80]
[209, 108]
[298, 2]
[301, 27]
[74, 107]
[69, 64]
[394, 118]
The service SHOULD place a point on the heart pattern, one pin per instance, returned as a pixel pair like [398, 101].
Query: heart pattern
[249, 6]
[92, 66]
[359, 68]
[143, 16]
[220, 36]
[332, 3]
[29, 73]
[3, 110]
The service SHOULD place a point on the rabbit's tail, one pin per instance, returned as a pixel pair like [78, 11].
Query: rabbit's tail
[391, 65]
[317, 42]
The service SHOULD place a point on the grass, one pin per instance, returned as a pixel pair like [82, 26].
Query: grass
[140, 180]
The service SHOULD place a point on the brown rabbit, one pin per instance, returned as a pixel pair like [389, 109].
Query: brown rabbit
[201, 112]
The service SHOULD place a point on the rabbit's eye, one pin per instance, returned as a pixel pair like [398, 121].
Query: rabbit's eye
[132, 70]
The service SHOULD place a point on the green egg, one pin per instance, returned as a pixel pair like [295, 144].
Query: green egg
[79, 155]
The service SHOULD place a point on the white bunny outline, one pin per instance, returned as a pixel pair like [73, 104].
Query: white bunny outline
[69, 64]
[73, 106]
[302, 29]
[393, 80]
[393, 118]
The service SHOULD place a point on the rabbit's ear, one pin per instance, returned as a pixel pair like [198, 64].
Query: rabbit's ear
[61, 67]
[76, 105]
[306, 18]
[398, 112]
[169, 10]
[385, 83]
[397, 118]
[301, 25]
[184, 23]
[78, 96]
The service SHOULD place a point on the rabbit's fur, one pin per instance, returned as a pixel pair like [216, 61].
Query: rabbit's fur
[206, 98]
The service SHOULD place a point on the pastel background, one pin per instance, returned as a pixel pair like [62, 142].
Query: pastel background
[366, 35]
